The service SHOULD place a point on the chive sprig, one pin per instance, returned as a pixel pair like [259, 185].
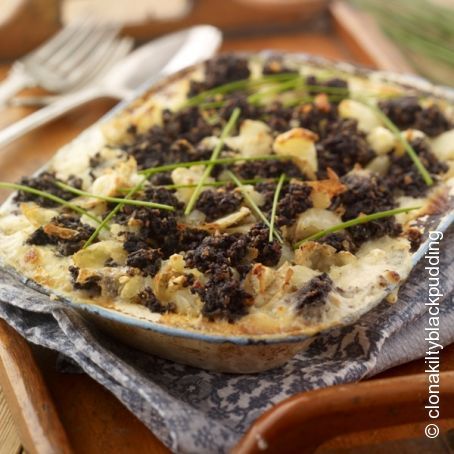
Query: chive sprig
[214, 156]
[352, 222]
[49, 196]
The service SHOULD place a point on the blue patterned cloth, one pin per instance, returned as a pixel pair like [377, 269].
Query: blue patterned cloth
[194, 411]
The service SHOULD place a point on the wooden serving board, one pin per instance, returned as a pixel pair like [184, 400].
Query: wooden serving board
[61, 413]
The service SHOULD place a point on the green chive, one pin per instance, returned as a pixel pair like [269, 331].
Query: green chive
[46, 195]
[117, 208]
[353, 222]
[217, 184]
[408, 148]
[214, 155]
[256, 98]
[275, 201]
[143, 203]
[153, 170]
[235, 85]
[254, 206]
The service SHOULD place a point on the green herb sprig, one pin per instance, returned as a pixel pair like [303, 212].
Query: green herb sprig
[143, 203]
[408, 148]
[165, 168]
[214, 156]
[251, 202]
[220, 183]
[112, 213]
[277, 192]
[351, 223]
[47, 195]
[230, 87]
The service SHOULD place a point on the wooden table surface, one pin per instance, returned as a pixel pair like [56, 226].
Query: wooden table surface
[94, 420]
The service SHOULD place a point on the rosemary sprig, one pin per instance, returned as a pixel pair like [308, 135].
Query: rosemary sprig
[353, 222]
[408, 148]
[47, 195]
[266, 157]
[214, 155]
[274, 208]
[251, 202]
[112, 213]
[143, 203]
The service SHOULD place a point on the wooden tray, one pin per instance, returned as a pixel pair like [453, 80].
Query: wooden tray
[57, 413]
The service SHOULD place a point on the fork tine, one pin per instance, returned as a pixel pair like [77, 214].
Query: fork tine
[64, 36]
[84, 37]
[104, 61]
[92, 45]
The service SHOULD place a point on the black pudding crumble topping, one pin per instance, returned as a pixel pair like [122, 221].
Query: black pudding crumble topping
[66, 244]
[406, 112]
[151, 235]
[218, 203]
[312, 296]
[46, 182]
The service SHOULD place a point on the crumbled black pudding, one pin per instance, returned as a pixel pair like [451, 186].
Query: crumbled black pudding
[172, 142]
[318, 119]
[314, 292]
[432, 121]
[238, 100]
[188, 124]
[403, 175]
[67, 242]
[90, 285]
[45, 181]
[146, 259]
[295, 201]
[267, 190]
[222, 295]
[267, 169]
[415, 236]
[277, 117]
[401, 111]
[342, 148]
[268, 253]
[219, 71]
[177, 239]
[158, 229]
[163, 196]
[218, 203]
[341, 241]
[406, 112]
[149, 149]
[218, 251]
[148, 299]
[335, 82]
[366, 194]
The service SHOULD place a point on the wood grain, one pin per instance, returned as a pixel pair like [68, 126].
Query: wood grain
[36, 419]
[304, 422]
[96, 421]
[9, 438]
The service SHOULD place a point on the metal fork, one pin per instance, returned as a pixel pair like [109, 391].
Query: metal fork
[66, 62]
